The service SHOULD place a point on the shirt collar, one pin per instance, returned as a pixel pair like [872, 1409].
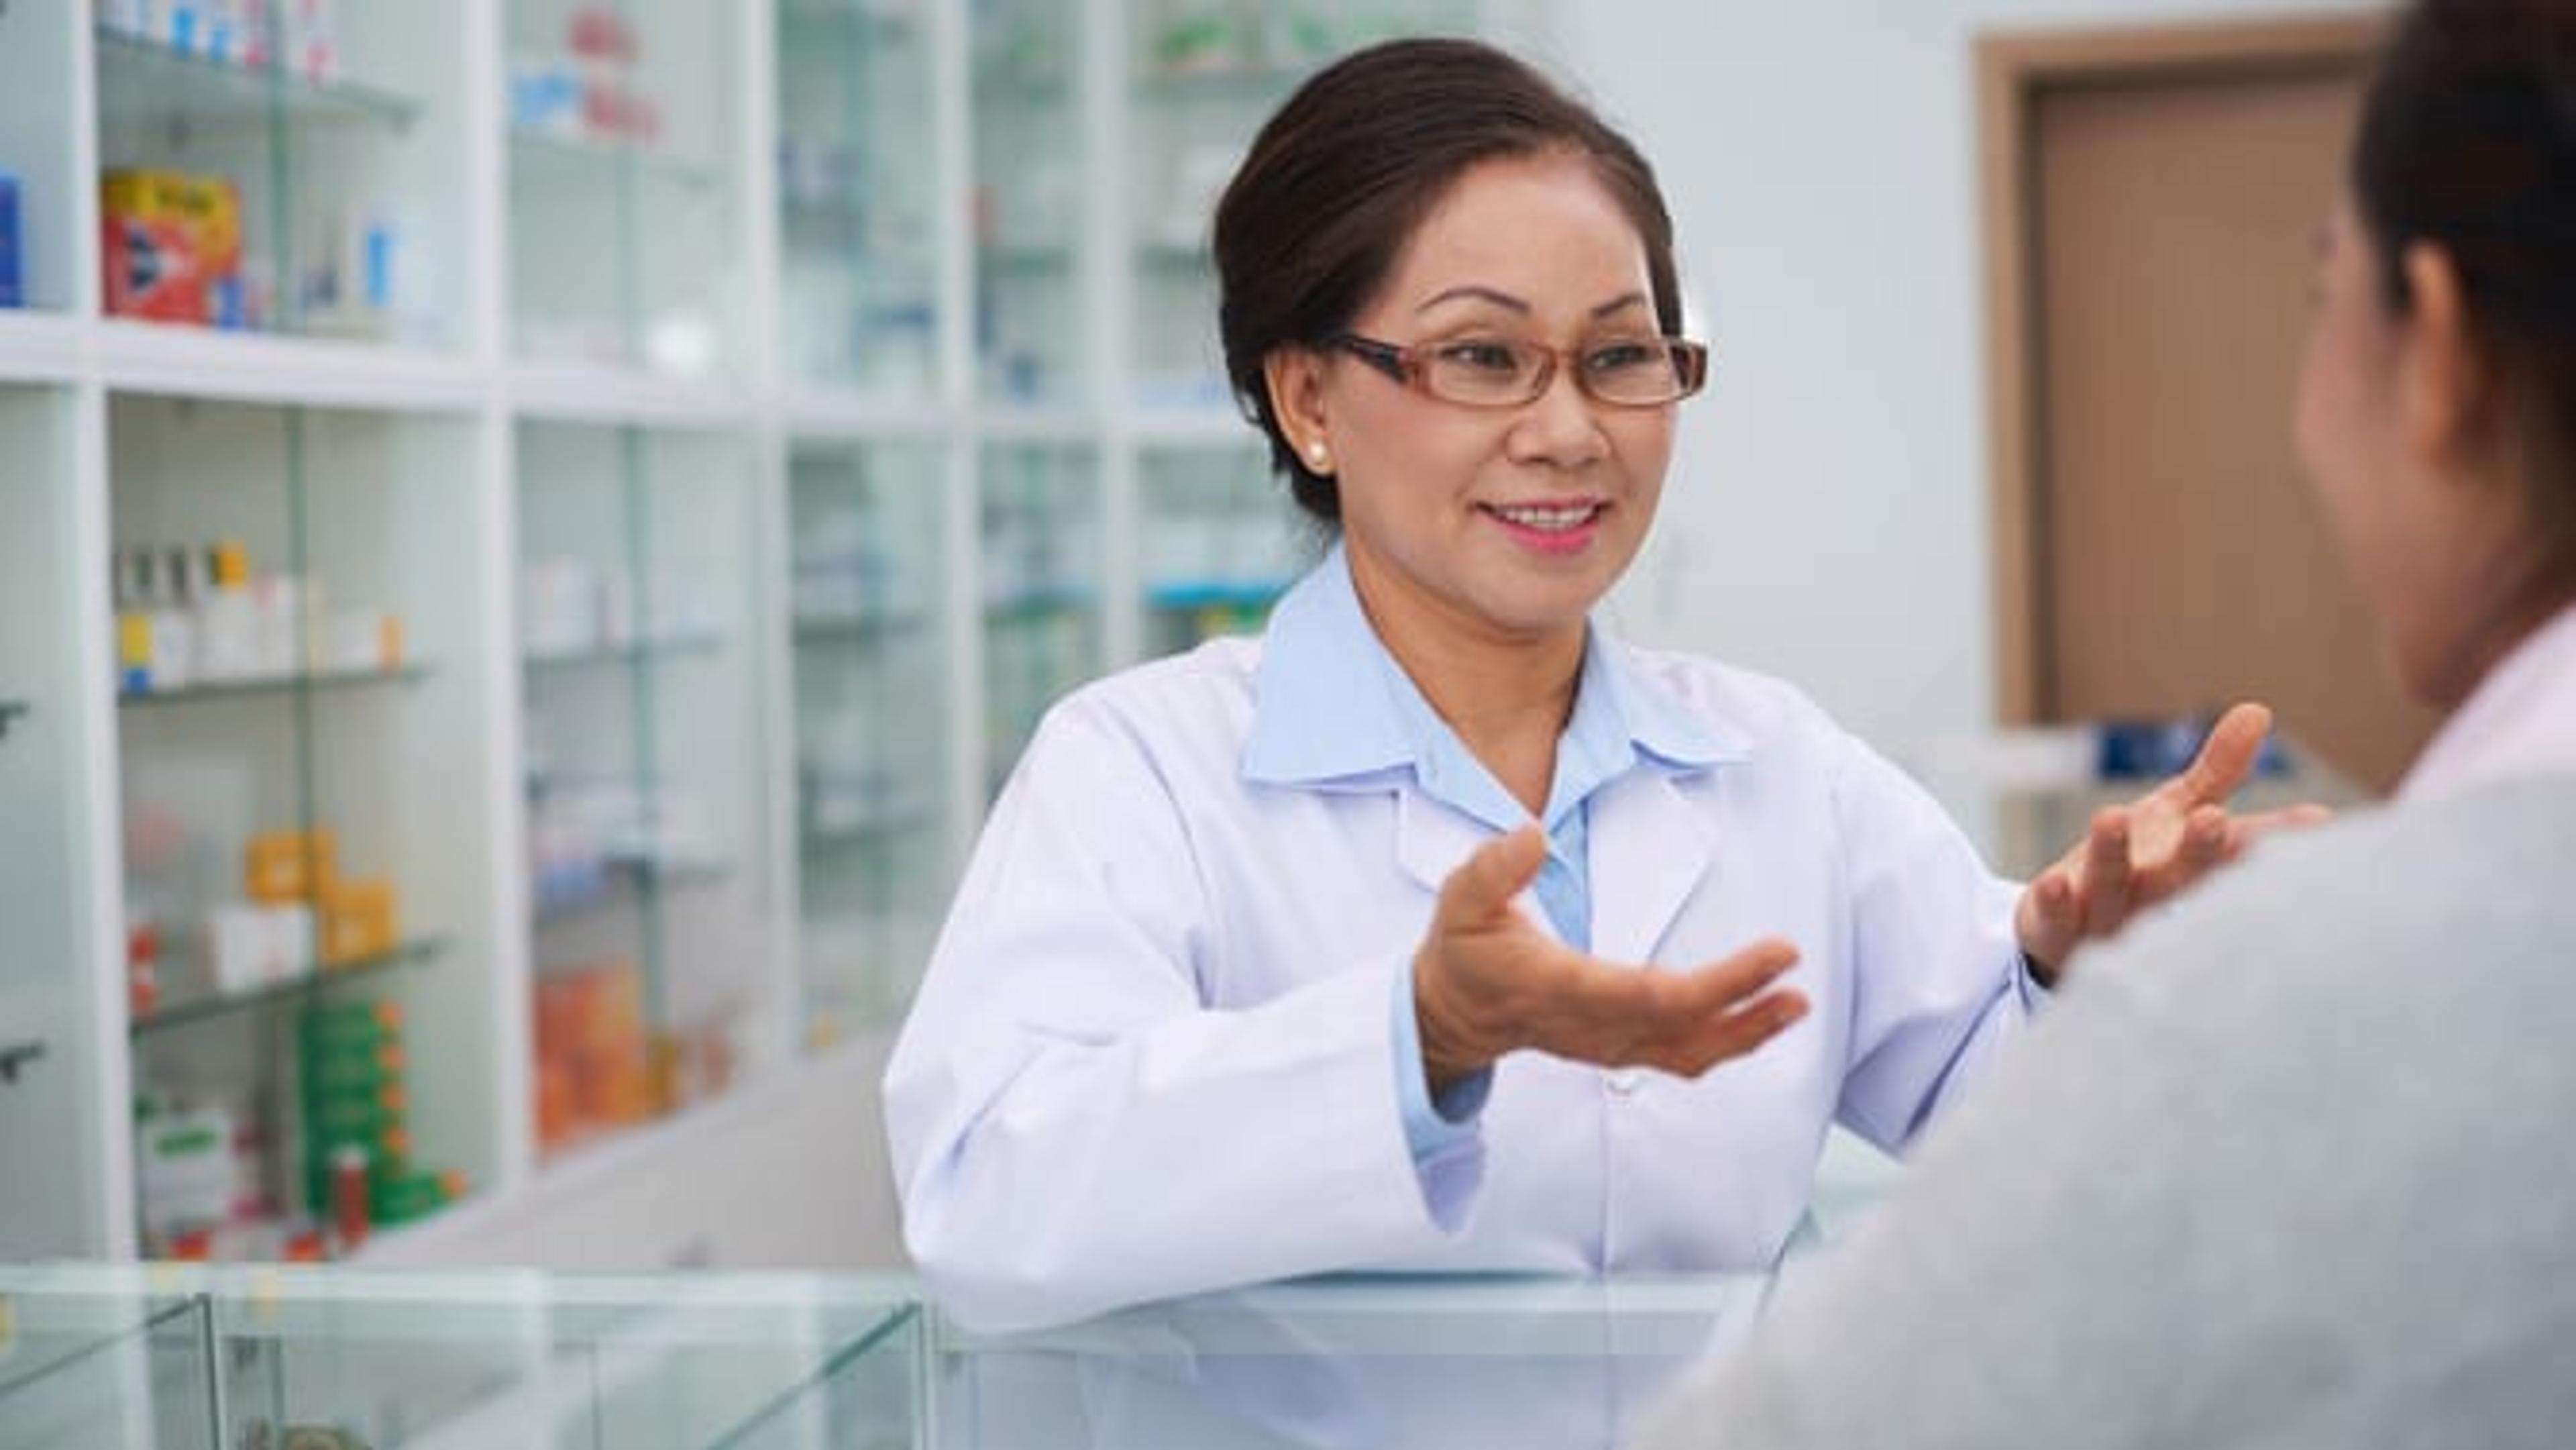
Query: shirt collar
[2520, 720]
[1331, 705]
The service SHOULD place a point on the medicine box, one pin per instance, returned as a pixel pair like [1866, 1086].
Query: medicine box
[170, 242]
[13, 246]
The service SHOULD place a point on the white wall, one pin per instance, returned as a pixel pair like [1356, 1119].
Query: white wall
[1826, 517]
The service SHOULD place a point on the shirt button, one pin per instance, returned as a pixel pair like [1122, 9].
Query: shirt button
[1624, 1080]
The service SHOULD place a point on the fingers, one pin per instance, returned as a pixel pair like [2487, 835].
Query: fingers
[1486, 882]
[2201, 849]
[1679, 1022]
[2244, 831]
[2051, 919]
[1734, 1034]
[2227, 757]
[1729, 982]
[2105, 889]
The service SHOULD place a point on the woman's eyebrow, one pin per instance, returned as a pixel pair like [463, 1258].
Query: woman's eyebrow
[1474, 292]
[1477, 293]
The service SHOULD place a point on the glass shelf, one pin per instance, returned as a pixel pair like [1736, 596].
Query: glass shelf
[1033, 605]
[1023, 261]
[1001, 88]
[280, 686]
[623, 654]
[844, 209]
[144, 82]
[59, 1341]
[302, 1357]
[882, 27]
[880, 828]
[1255, 84]
[872, 853]
[617, 878]
[518, 1358]
[1174, 257]
[205, 1006]
[846, 628]
[587, 154]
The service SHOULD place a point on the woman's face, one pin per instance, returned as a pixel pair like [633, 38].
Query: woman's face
[1507, 523]
[2383, 502]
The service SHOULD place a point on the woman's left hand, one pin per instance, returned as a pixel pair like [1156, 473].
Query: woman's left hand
[2152, 848]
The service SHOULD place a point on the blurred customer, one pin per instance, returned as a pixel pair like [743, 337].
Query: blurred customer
[2294, 1167]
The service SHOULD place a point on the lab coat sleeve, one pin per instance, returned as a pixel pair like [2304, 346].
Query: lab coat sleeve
[1073, 1130]
[1937, 980]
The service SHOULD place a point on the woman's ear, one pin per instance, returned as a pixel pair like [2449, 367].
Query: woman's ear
[1295, 376]
[2445, 387]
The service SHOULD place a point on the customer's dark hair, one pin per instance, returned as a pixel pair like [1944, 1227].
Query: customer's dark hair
[2468, 142]
[1336, 182]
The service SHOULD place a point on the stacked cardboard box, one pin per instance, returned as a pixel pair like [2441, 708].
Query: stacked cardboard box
[356, 1097]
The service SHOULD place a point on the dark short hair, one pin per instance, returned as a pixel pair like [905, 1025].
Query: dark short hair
[1340, 177]
[2468, 142]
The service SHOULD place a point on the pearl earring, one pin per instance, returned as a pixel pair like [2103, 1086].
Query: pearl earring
[1316, 452]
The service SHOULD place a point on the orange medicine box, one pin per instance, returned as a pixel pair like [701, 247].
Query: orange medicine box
[170, 239]
[283, 867]
[359, 920]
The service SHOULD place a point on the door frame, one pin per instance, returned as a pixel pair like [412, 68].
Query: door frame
[2015, 70]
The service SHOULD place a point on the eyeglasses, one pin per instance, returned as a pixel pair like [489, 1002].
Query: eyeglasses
[1501, 372]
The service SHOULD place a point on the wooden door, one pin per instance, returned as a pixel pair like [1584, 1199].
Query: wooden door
[2171, 557]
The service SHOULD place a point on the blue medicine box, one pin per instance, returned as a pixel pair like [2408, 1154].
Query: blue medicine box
[12, 288]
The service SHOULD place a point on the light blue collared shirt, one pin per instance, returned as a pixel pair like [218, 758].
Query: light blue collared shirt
[1336, 710]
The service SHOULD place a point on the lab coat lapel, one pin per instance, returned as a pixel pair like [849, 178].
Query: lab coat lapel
[1650, 851]
[1432, 839]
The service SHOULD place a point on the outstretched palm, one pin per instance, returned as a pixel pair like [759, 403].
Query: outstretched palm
[2156, 846]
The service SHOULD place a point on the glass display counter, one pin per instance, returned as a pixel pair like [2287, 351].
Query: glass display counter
[330, 1359]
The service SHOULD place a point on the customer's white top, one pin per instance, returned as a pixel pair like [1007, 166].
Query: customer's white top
[2521, 719]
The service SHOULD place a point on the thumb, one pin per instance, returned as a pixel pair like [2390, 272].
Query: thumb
[1500, 870]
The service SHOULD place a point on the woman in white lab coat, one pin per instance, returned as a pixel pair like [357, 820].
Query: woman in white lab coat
[1437, 928]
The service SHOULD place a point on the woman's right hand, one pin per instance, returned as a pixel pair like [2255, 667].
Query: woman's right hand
[1487, 981]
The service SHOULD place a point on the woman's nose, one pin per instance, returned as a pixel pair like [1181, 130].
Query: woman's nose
[1561, 425]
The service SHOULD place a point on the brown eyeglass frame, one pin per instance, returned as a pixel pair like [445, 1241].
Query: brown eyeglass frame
[1406, 365]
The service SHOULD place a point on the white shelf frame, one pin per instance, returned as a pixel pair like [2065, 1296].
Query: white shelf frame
[91, 358]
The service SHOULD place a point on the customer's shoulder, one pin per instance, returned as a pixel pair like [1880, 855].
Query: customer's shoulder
[2463, 852]
[2388, 910]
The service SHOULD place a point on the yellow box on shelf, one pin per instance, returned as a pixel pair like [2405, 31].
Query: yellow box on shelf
[280, 867]
[360, 919]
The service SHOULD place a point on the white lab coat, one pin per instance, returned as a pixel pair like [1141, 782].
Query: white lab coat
[1152, 1055]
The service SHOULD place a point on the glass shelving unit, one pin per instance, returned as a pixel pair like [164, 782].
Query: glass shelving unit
[293, 682]
[54, 1124]
[297, 859]
[40, 258]
[623, 130]
[639, 609]
[858, 195]
[304, 1359]
[872, 762]
[1030, 299]
[624, 653]
[328, 1358]
[1205, 75]
[1221, 542]
[1042, 600]
[302, 984]
[277, 171]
